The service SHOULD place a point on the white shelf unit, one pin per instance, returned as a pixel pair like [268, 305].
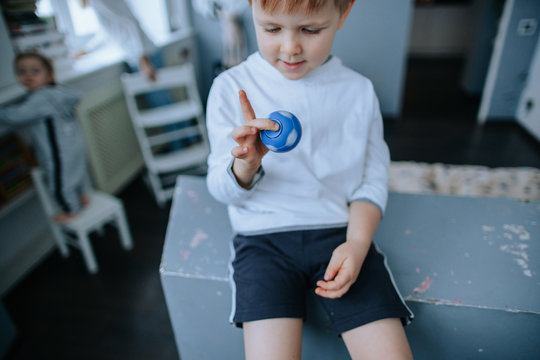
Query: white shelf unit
[44, 39]
[50, 44]
[172, 136]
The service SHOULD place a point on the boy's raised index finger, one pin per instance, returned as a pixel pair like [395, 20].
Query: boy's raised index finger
[247, 110]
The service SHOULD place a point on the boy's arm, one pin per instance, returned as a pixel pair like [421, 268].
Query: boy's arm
[374, 184]
[250, 150]
[347, 259]
[232, 171]
[365, 211]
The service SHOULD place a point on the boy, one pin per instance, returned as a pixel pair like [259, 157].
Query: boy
[304, 219]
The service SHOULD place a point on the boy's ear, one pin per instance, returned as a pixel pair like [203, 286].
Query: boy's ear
[345, 14]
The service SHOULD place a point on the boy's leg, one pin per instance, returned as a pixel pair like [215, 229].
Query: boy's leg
[371, 314]
[273, 339]
[381, 339]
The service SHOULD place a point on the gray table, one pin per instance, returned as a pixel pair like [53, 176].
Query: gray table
[469, 269]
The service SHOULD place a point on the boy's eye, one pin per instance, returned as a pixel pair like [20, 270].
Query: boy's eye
[311, 30]
[272, 29]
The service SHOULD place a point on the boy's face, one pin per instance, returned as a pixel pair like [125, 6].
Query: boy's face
[296, 43]
[32, 74]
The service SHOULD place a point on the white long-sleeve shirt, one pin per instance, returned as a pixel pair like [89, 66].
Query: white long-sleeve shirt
[341, 157]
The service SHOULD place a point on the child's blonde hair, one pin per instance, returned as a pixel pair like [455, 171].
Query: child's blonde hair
[46, 62]
[291, 5]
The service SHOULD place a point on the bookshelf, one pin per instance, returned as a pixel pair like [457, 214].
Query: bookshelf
[30, 32]
[16, 161]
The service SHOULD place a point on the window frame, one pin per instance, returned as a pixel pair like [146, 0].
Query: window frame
[176, 14]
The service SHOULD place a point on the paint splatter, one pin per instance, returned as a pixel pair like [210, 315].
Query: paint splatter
[422, 288]
[199, 237]
[418, 251]
[457, 301]
[193, 195]
[184, 254]
[522, 263]
[487, 228]
[519, 230]
[518, 247]
[516, 238]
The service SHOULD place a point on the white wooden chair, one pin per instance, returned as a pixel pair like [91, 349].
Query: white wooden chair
[102, 209]
[172, 135]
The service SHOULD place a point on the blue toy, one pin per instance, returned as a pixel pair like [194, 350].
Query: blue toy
[288, 135]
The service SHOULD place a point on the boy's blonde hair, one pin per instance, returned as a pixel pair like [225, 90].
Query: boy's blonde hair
[291, 5]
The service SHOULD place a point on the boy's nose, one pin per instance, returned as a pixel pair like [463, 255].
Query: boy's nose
[291, 45]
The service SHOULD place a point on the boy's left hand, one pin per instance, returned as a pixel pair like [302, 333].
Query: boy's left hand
[342, 271]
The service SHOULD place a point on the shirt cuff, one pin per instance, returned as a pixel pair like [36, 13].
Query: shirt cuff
[258, 176]
[371, 202]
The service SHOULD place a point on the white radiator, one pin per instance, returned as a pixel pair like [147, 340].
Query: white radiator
[112, 147]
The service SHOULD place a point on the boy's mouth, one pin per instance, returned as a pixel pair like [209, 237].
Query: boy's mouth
[292, 66]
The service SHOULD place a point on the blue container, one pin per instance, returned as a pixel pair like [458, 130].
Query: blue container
[288, 135]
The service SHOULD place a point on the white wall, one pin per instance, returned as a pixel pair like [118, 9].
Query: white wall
[6, 68]
[510, 61]
[8, 83]
[441, 30]
[373, 41]
[486, 18]
[529, 106]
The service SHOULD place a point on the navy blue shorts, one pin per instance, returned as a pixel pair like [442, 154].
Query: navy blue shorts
[272, 274]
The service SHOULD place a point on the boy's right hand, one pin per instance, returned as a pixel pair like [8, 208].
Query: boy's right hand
[250, 150]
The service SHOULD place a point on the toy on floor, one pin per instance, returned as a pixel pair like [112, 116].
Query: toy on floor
[288, 135]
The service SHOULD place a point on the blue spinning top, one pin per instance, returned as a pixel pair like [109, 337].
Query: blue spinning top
[288, 135]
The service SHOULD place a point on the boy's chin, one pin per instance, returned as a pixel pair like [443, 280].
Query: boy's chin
[293, 75]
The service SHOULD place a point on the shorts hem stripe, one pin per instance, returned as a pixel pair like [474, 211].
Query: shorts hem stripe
[232, 283]
[410, 316]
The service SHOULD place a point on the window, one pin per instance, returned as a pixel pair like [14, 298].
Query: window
[80, 24]
[153, 18]
[83, 20]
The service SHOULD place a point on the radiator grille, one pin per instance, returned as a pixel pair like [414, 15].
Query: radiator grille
[113, 150]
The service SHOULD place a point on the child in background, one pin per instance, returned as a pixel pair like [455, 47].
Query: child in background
[58, 142]
[304, 220]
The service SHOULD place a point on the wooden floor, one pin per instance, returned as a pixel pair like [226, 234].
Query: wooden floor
[438, 123]
[62, 312]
